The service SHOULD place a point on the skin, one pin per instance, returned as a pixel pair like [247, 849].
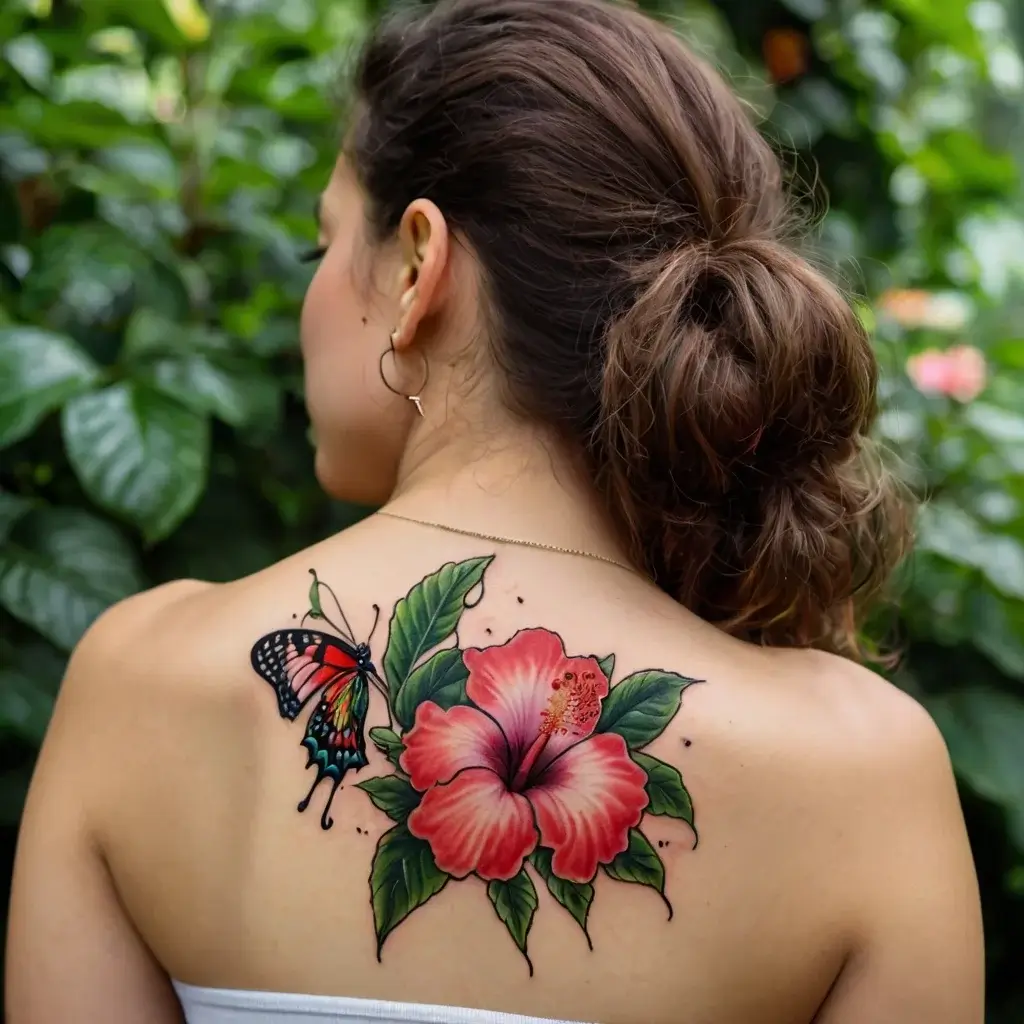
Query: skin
[833, 880]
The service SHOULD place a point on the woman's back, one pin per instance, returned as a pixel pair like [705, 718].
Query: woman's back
[556, 317]
[798, 765]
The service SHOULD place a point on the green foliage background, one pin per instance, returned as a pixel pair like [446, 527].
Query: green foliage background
[159, 163]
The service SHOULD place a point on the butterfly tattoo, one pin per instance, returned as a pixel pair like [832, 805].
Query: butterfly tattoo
[302, 661]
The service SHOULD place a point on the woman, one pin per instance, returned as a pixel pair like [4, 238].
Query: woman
[630, 522]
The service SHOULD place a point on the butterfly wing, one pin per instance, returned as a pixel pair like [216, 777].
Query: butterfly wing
[334, 735]
[298, 662]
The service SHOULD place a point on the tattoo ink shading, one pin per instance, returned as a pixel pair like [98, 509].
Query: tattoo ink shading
[503, 742]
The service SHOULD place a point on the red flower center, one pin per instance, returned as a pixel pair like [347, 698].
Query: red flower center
[573, 706]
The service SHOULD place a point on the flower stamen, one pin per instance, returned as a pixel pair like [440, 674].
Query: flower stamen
[573, 706]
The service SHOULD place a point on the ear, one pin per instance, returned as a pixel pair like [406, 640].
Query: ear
[424, 240]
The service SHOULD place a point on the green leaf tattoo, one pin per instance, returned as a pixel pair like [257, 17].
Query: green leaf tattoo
[607, 666]
[388, 742]
[391, 794]
[427, 616]
[576, 897]
[403, 877]
[515, 902]
[641, 706]
[315, 609]
[440, 680]
[665, 789]
[641, 864]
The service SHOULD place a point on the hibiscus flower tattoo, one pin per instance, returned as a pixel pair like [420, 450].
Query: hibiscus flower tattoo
[509, 762]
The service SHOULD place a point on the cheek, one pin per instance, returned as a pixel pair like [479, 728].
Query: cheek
[320, 309]
[358, 425]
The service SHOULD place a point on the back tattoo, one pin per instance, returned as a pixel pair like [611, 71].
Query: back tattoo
[509, 762]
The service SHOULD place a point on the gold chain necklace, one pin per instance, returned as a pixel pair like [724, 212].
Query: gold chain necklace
[509, 540]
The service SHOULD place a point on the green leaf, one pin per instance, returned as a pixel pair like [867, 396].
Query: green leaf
[391, 794]
[39, 372]
[29, 56]
[947, 530]
[138, 454]
[13, 789]
[403, 877]
[314, 597]
[388, 742]
[12, 509]
[428, 615]
[607, 666]
[25, 706]
[641, 706]
[983, 728]
[197, 367]
[515, 902]
[576, 897]
[441, 680]
[63, 570]
[640, 864]
[232, 389]
[665, 789]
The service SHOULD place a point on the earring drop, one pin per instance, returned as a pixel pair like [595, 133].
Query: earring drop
[416, 398]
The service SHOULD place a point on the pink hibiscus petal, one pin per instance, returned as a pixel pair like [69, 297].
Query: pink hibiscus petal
[474, 823]
[529, 687]
[586, 803]
[442, 743]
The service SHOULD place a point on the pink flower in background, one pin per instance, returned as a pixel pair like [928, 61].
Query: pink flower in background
[959, 372]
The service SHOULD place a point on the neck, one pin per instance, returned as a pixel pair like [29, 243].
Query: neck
[512, 482]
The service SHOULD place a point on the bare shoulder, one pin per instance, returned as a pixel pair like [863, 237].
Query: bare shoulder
[820, 759]
[867, 722]
[143, 668]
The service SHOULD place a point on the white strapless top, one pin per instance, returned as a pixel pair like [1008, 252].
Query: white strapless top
[228, 1006]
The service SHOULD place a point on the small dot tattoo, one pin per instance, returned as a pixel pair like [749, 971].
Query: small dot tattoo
[687, 743]
[359, 830]
[488, 630]
[365, 321]
[660, 844]
[520, 600]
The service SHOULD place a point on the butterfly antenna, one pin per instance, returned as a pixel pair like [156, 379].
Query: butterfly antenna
[376, 619]
[347, 632]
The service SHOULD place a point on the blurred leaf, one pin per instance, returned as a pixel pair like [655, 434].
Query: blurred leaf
[12, 508]
[138, 454]
[996, 627]
[25, 707]
[952, 533]
[983, 729]
[31, 59]
[61, 569]
[39, 371]
[997, 424]
[189, 19]
[93, 275]
[13, 788]
[143, 161]
[809, 10]
[198, 368]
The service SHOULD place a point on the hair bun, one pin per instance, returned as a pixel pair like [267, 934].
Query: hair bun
[737, 391]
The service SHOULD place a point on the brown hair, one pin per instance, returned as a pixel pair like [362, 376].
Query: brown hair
[630, 223]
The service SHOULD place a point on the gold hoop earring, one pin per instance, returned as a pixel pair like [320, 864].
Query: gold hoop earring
[417, 397]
